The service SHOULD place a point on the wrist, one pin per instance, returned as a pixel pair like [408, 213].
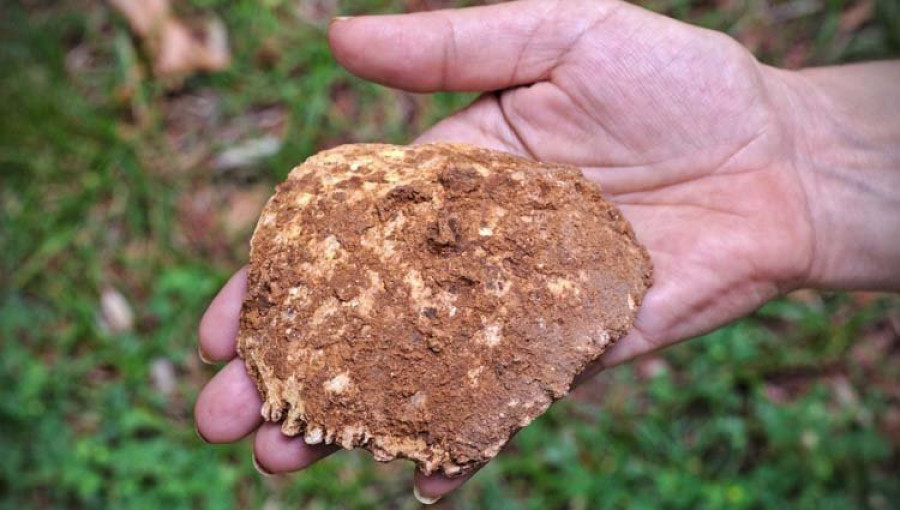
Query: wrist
[845, 148]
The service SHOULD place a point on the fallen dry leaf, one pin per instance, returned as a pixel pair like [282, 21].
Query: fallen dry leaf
[243, 208]
[163, 377]
[247, 153]
[196, 210]
[844, 392]
[183, 50]
[214, 219]
[176, 47]
[856, 16]
[191, 120]
[115, 312]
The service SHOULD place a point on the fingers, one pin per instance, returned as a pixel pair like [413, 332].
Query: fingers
[429, 489]
[227, 408]
[277, 453]
[475, 49]
[219, 325]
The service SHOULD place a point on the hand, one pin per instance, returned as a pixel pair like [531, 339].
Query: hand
[681, 127]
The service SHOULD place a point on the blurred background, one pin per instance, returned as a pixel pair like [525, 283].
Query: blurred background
[138, 142]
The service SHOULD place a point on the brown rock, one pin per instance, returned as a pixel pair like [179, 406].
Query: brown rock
[426, 302]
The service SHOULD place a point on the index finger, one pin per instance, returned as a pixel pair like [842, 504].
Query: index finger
[473, 49]
[219, 325]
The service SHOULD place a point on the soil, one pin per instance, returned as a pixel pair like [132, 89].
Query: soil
[426, 302]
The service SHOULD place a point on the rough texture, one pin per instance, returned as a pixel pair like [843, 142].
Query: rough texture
[426, 302]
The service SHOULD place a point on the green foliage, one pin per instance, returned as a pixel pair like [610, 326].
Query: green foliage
[90, 198]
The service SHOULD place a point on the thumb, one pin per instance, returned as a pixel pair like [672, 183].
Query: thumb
[474, 49]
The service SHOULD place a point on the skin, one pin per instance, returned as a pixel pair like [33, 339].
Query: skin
[743, 181]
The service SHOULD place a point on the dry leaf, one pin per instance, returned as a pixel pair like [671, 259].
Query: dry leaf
[856, 16]
[214, 218]
[243, 209]
[197, 221]
[182, 51]
[163, 377]
[247, 153]
[115, 312]
[844, 392]
[191, 120]
[176, 47]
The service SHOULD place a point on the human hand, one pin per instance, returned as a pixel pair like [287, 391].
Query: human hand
[683, 129]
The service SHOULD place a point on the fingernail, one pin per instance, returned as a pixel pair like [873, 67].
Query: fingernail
[340, 18]
[204, 357]
[197, 430]
[259, 469]
[423, 499]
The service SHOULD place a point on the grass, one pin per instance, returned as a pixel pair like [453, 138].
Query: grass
[106, 185]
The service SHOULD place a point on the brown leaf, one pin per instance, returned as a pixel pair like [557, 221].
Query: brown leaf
[197, 222]
[856, 16]
[213, 219]
[243, 208]
[182, 51]
[176, 47]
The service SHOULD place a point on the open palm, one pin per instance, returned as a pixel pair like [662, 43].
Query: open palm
[681, 127]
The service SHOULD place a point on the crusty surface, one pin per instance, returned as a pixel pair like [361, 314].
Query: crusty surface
[426, 302]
